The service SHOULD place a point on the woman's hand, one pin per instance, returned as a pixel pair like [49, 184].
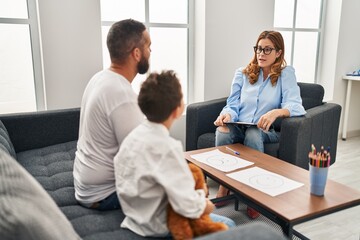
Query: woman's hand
[267, 119]
[222, 119]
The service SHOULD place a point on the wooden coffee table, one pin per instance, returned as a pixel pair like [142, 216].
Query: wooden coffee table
[287, 209]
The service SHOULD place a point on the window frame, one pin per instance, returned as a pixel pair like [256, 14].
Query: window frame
[190, 41]
[32, 22]
[319, 30]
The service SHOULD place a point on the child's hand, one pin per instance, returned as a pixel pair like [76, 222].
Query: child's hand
[209, 207]
[206, 189]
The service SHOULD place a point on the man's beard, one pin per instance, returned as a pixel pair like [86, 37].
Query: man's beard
[143, 65]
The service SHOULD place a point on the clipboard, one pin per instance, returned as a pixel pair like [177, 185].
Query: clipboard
[242, 123]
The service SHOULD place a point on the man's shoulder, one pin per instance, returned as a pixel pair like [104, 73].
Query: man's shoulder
[113, 85]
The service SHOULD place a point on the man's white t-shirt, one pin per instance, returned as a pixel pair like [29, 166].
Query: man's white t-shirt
[109, 111]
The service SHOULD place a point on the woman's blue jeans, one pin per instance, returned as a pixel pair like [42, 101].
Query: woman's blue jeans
[250, 136]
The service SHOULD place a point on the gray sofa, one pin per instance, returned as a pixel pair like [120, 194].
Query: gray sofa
[36, 185]
[319, 126]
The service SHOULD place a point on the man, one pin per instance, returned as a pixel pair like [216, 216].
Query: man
[109, 111]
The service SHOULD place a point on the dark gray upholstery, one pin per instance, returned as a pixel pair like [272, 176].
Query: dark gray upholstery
[41, 129]
[26, 210]
[52, 166]
[319, 126]
[45, 145]
[248, 232]
[5, 143]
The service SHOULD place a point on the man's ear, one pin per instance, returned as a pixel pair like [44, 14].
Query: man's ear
[136, 53]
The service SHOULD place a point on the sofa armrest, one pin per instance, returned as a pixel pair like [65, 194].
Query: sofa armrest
[319, 126]
[200, 119]
[40, 129]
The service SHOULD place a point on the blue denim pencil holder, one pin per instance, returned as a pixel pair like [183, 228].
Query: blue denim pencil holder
[318, 178]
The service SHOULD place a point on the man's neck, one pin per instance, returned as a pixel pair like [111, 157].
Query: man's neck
[124, 70]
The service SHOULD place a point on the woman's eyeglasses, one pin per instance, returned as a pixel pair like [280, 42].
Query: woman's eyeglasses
[265, 50]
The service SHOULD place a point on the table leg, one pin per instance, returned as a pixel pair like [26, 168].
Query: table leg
[299, 235]
[347, 105]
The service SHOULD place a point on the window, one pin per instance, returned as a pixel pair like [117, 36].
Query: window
[19, 57]
[300, 23]
[169, 25]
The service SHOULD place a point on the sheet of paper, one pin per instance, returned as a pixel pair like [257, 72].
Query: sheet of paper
[268, 182]
[221, 161]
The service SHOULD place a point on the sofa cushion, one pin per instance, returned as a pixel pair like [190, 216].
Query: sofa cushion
[206, 140]
[5, 142]
[52, 167]
[26, 210]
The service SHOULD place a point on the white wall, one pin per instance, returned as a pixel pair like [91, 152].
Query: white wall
[71, 46]
[348, 59]
[197, 92]
[231, 30]
[330, 47]
[340, 55]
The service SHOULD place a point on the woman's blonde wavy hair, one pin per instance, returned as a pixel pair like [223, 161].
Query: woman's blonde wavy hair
[252, 70]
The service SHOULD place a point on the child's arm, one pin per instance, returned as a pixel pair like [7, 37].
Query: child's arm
[209, 207]
[206, 190]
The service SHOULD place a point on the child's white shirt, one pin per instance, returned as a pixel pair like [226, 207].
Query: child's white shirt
[150, 172]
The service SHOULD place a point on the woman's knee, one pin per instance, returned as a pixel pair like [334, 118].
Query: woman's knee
[222, 136]
[223, 129]
[253, 139]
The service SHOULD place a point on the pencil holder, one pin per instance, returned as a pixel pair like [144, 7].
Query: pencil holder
[318, 178]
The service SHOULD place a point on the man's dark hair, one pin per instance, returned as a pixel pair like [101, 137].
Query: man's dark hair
[160, 95]
[123, 37]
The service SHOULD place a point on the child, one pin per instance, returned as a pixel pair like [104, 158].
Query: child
[150, 169]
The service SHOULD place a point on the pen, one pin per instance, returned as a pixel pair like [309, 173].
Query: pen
[232, 150]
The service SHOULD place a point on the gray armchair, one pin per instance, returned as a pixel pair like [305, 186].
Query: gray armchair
[318, 126]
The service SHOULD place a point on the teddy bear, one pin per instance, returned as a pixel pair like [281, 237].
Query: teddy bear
[186, 228]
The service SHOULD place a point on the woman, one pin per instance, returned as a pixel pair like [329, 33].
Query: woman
[265, 90]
